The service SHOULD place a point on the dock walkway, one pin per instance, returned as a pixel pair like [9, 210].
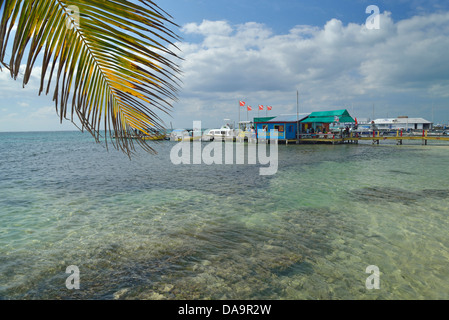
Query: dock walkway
[375, 138]
[332, 138]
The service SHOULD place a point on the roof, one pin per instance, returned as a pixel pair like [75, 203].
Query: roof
[363, 120]
[329, 117]
[401, 120]
[263, 119]
[284, 118]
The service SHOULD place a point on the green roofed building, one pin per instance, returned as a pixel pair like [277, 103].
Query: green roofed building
[341, 116]
[323, 121]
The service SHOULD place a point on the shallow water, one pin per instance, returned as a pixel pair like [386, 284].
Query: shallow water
[148, 229]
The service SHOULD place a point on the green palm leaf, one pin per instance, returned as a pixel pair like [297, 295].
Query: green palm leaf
[108, 60]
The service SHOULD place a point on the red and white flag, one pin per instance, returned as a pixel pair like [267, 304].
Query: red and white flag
[242, 103]
[261, 107]
[249, 108]
[269, 108]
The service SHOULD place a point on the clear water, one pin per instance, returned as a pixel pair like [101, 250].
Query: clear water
[147, 229]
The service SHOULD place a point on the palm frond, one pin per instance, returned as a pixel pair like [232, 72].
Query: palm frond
[108, 60]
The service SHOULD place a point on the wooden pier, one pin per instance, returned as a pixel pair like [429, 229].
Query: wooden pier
[375, 138]
[331, 138]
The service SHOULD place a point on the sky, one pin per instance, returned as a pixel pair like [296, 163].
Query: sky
[265, 52]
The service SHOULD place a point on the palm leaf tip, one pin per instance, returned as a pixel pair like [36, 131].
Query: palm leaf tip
[110, 64]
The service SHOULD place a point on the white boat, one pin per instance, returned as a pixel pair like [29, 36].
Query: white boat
[179, 135]
[185, 135]
[225, 132]
[207, 136]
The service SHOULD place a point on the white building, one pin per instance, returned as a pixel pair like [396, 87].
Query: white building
[363, 121]
[403, 123]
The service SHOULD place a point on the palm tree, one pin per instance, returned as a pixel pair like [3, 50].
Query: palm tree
[110, 61]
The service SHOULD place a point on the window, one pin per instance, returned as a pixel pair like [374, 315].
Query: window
[279, 128]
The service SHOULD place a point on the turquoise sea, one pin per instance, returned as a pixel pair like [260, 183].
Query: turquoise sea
[148, 229]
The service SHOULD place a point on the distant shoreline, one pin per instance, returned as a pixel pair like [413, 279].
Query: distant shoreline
[43, 131]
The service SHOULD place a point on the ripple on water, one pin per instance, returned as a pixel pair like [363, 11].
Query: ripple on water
[146, 229]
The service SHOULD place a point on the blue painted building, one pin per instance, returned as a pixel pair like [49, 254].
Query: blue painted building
[286, 126]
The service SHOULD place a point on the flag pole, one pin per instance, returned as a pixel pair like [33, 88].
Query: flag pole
[297, 117]
[238, 124]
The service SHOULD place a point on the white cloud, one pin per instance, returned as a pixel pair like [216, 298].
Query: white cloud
[208, 28]
[44, 112]
[404, 66]
[336, 65]
[43, 118]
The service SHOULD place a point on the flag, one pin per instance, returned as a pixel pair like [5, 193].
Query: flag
[269, 108]
[261, 107]
[242, 103]
[355, 121]
[249, 108]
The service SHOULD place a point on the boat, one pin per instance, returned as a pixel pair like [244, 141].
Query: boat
[157, 136]
[207, 135]
[152, 135]
[179, 135]
[225, 132]
[185, 135]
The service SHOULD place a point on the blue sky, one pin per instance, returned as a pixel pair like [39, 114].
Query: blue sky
[282, 15]
[261, 52]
